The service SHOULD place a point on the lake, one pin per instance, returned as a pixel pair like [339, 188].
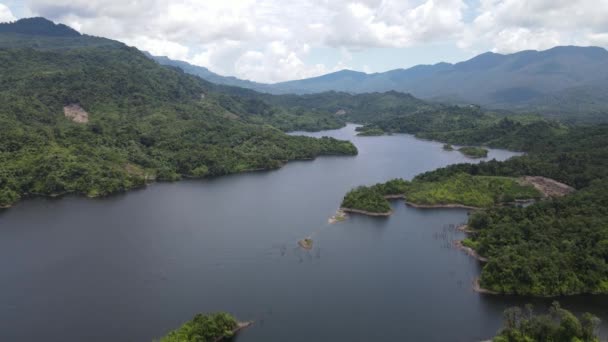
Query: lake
[133, 266]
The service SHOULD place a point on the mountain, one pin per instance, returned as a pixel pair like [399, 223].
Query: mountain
[96, 117]
[38, 26]
[564, 82]
[208, 75]
[42, 34]
[539, 80]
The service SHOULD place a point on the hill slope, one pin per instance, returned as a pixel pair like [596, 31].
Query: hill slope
[99, 118]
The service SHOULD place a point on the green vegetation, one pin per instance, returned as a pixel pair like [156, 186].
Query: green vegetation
[448, 147]
[474, 191]
[552, 248]
[474, 152]
[367, 199]
[467, 125]
[145, 122]
[514, 133]
[460, 189]
[370, 132]
[204, 328]
[558, 325]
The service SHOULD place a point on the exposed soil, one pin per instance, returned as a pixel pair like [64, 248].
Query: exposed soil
[433, 206]
[306, 243]
[477, 288]
[338, 217]
[547, 186]
[239, 326]
[470, 251]
[75, 113]
[369, 213]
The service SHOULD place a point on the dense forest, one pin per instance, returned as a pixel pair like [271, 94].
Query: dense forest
[554, 247]
[204, 328]
[523, 325]
[136, 121]
[474, 151]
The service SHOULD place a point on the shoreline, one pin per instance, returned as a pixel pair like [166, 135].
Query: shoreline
[465, 229]
[438, 206]
[239, 327]
[477, 288]
[364, 212]
[152, 180]
[468, 250]
[339, 216]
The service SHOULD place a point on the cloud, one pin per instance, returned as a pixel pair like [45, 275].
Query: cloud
[394, 23]
[5, 14]
[513, 25]
[266, 40]
[272, 40]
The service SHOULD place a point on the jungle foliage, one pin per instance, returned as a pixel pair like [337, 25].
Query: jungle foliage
[204, 328]
[145, 122]
[459, 189]
[523, 325]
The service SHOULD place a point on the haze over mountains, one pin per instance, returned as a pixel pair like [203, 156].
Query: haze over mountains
[560, 81]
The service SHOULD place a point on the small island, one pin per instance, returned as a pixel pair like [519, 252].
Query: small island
[474, 151]
[448, 147]
[370, 132]
[306, 243]
[374, 200]
[213, 328]
[339, 216]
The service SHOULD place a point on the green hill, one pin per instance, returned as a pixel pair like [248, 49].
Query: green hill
[136, 121]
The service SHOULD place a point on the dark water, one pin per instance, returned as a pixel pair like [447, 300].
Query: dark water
[133, 266]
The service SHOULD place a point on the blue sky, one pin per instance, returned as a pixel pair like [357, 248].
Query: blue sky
[276, 40]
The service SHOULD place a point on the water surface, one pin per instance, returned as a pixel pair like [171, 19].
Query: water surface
[133, 266]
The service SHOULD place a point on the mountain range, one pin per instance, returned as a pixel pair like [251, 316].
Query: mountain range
[565, 81]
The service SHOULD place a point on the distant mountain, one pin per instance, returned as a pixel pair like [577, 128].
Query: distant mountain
[565, 81]
[208, 75]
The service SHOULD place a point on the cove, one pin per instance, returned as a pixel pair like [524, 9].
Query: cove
[132, 266]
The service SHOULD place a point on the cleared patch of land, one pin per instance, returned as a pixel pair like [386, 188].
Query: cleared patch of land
[75, 113]
[547, 186]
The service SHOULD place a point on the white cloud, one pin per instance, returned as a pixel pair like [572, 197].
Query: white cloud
[274, 62]
[513, 25]
[394, 23]
[5, 14]
[273, 40]
[264, 40]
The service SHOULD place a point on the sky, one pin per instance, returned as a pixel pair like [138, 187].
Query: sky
[278, 40]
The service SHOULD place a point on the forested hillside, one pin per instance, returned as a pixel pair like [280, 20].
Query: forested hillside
[99, 118]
